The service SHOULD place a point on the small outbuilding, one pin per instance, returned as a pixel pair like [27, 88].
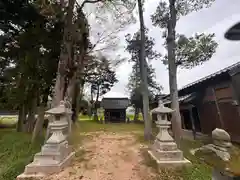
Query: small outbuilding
[115, 109]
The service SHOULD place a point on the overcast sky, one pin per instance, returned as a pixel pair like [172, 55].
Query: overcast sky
[216, 19]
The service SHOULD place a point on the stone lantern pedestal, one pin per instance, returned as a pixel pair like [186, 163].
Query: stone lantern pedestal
[55, 153]
[164, 150]
[221, 155]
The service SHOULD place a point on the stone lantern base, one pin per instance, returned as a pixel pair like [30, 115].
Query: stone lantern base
[169, 159]
[164, 150]
[166, 154]
[54, 156]
[43, 167]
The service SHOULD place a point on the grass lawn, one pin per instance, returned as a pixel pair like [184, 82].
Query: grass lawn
[8, 121]
[131, 116]
[11, 121]
[16, 151]
[92, 126]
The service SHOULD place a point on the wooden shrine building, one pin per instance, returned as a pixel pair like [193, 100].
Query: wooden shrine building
[115, 109]
[212, 102]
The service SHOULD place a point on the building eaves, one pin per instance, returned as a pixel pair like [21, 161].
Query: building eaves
[211, 76]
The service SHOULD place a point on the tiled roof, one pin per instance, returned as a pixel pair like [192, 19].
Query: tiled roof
[212, 75]
[180, 99]
[222, 71]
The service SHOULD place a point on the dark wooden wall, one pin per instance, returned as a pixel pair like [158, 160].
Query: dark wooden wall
[218, 110]
[109, 115]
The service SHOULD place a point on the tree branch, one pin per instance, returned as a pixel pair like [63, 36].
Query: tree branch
[89, 1]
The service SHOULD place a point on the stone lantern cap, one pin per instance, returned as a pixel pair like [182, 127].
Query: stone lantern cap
[59, 110]
[161, 109]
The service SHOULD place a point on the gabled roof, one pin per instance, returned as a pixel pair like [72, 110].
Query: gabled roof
[185, 98]
[223, 74]
[115, 103]
[225, 70]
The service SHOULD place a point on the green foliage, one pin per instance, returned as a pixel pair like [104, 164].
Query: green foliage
[193, 51]
[190, 51]
[29, 53]
[134, 81]
[100, 75]
[134, 43]
[183, 7]
[133, 47]
[15, 153]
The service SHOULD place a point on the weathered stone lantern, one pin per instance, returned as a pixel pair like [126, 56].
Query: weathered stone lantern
[55, 153]
[221, 155]
[61, 117]
[164, 150]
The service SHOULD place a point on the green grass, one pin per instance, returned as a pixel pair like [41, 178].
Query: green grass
[101, 115]
[84, 117]
[198, 170]
[16, 151]
[92, 126]
[131, 117]
[8, 121]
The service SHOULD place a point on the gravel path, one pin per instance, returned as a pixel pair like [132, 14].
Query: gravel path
[108, 156]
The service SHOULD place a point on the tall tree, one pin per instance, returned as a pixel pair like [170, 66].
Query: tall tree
[143, 72]
[134, 47]
[29, 52]
[134, 80]
[182, 51]
[101, 78]
[67, 65]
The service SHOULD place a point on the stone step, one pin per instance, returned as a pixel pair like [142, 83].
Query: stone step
[166, 146]
[169, 163]
[175, 155]
[49, 156]
[40, 168]
[46, 166]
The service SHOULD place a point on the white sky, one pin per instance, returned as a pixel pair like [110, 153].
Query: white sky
[216, 19]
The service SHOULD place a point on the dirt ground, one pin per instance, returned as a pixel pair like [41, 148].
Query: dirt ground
[108, 156]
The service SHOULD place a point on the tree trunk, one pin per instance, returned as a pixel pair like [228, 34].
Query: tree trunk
[65, 56]
[22, 106]
[40, 119]
[68, 98]
[39, 123]
[78, 89]
[75, 101]
[21, 118]
[80, 95]
[176, 117]
[95, 105]
[92, 103]
[136, 115]
[144, 83]
[31, 114]
[193, 123]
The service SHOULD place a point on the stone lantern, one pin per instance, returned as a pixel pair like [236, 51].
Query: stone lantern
[61, 117]
[55, 153]
[164, 150]
[221, 155]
